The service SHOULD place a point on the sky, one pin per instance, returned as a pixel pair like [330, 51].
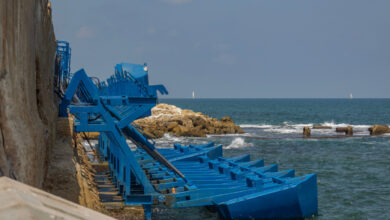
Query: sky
[236, 49]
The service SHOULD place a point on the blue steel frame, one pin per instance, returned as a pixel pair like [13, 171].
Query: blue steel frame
[119, 155]
[63, 56]
[183, 176]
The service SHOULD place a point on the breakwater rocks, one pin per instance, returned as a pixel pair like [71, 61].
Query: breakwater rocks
[379, 129]
[183, 122]
[306, 132]
[347, 130]
[374, 130]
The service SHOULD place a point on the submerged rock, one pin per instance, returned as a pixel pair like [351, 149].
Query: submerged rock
[347, 130]
[183, 122]
[306, 132]
[341, 129]
[379, 129]
[321, 127]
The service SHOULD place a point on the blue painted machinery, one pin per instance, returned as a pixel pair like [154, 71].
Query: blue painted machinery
[62, 65]
[181, 176]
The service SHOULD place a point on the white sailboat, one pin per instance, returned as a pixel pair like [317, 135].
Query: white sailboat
[350, 96]
[193, 94]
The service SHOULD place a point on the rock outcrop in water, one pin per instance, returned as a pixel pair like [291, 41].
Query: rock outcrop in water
[347, 130]
[182, 122]
[27, 103]
[306, 132]
[379, 129]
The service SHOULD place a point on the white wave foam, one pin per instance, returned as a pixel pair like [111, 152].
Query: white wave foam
[255, 126]
[231, 135]
[169, 139]
[238, 143]
[288, 127]
[333, 124]
[361, 129]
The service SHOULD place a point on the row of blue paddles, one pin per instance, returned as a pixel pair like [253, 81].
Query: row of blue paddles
[232, 184]
[235, 167]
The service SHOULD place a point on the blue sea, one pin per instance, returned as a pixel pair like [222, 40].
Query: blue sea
[353, 172]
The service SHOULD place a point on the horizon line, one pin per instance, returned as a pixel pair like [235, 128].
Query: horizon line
[260, 98]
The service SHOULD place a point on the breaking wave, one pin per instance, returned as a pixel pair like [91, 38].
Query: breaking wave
[238, 143]
[296, 128]
[168, 140]
[255, 126]
[247, 134]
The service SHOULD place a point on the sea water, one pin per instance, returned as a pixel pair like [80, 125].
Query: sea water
[353, 173]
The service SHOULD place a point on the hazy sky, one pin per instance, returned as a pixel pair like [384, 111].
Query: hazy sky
[236, 48]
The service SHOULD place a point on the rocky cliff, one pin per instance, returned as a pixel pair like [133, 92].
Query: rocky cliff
[27, 103]
[183, 122]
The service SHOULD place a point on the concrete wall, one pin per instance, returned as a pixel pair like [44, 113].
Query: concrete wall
[19, 201]
[28, 109]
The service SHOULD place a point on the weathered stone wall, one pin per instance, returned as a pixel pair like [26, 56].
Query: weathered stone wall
[61, 178]
[27, 103]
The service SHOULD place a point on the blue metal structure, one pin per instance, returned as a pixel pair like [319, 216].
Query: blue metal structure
[130, 80]
[181, 176]
[63, 57]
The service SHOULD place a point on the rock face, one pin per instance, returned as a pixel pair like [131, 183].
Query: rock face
[61, 178]
[27, 103]
[347, 130]
[342, 129]
[379, 129]
[306, 132]
[182, 122]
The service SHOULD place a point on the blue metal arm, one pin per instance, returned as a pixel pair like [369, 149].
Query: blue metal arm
[160, 88]
[80, 78]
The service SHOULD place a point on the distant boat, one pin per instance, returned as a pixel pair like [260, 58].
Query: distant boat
[350, 96]
[193, 95]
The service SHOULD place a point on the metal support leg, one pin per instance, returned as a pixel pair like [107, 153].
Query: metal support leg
[148, 212]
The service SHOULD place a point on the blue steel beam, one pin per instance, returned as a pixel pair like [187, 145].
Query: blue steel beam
[113, 131]
[63, 58]
[80, 78]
